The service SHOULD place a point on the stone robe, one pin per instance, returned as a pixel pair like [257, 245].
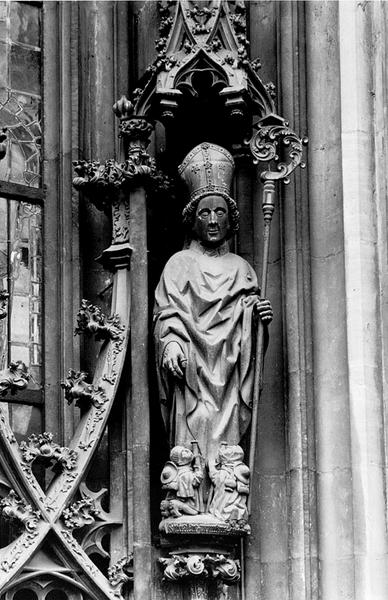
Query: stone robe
[204, 301]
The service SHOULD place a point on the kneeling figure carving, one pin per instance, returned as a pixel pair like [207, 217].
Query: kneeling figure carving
[181, 476]
[230, 479]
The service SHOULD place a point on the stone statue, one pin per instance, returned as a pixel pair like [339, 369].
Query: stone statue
[204, 321]
[230, 479]
[181, 476]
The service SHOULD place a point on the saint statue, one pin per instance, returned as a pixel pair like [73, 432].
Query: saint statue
[206, 306]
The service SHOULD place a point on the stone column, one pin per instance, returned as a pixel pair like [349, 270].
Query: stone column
[329, 316]
[97, 140]
[362, 289]
[61, 260]
[296, 277]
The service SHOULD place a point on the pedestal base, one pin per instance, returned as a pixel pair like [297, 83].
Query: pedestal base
[202, 552]
[204, 525]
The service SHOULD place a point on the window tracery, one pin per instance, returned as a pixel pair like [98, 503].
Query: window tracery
[20, 91]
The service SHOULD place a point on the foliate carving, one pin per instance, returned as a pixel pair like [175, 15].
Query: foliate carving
[14, 508]
[196, 565]
[166, 21]
[255, 64]
[3, 304]
[76, 388]
[15, 378]
[90, 319]
[272, 137]
[121, 572]
[92, 172]
[101, 182]
[114, 351]
[200, 13]
[80, 513]
[88, 437]
[136, 129]
[271, 89]
[18, 549]
[42, 446]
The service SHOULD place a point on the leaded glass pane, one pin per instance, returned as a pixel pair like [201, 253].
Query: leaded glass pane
[24, 23]
[21, 277]
[20, 91]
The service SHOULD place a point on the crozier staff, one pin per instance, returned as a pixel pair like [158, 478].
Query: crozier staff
[204, 315]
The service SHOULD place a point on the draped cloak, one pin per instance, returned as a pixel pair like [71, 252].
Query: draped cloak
[204, 302]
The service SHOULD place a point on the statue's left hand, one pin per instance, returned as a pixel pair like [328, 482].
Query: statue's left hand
[264, 309]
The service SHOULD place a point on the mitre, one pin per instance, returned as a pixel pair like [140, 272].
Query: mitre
[207, 169]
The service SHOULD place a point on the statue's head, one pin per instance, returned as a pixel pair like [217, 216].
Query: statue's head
[211, 214]
[229, 454]
[180, 455]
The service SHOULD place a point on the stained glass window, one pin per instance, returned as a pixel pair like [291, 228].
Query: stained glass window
[20, 91]
[21, 216]
[21, 277]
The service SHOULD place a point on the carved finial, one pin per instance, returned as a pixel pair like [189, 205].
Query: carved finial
[12, 507]
[123, 108]
[91, 320]
[15, 378]
[76, 388]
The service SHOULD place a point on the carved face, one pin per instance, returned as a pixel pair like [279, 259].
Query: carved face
[211, 224]
[181, 455]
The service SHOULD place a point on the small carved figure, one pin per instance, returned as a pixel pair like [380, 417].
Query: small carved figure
[181, 476]
[230, 478]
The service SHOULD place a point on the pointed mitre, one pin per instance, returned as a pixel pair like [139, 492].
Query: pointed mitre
[207, 169]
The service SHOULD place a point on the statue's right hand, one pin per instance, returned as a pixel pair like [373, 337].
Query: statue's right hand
[174, 360]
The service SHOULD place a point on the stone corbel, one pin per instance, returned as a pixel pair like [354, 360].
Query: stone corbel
[197, 565]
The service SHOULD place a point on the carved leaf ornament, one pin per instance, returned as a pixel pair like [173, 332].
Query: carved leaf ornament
[47, 516]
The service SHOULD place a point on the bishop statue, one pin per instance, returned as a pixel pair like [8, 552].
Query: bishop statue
[206, 308]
